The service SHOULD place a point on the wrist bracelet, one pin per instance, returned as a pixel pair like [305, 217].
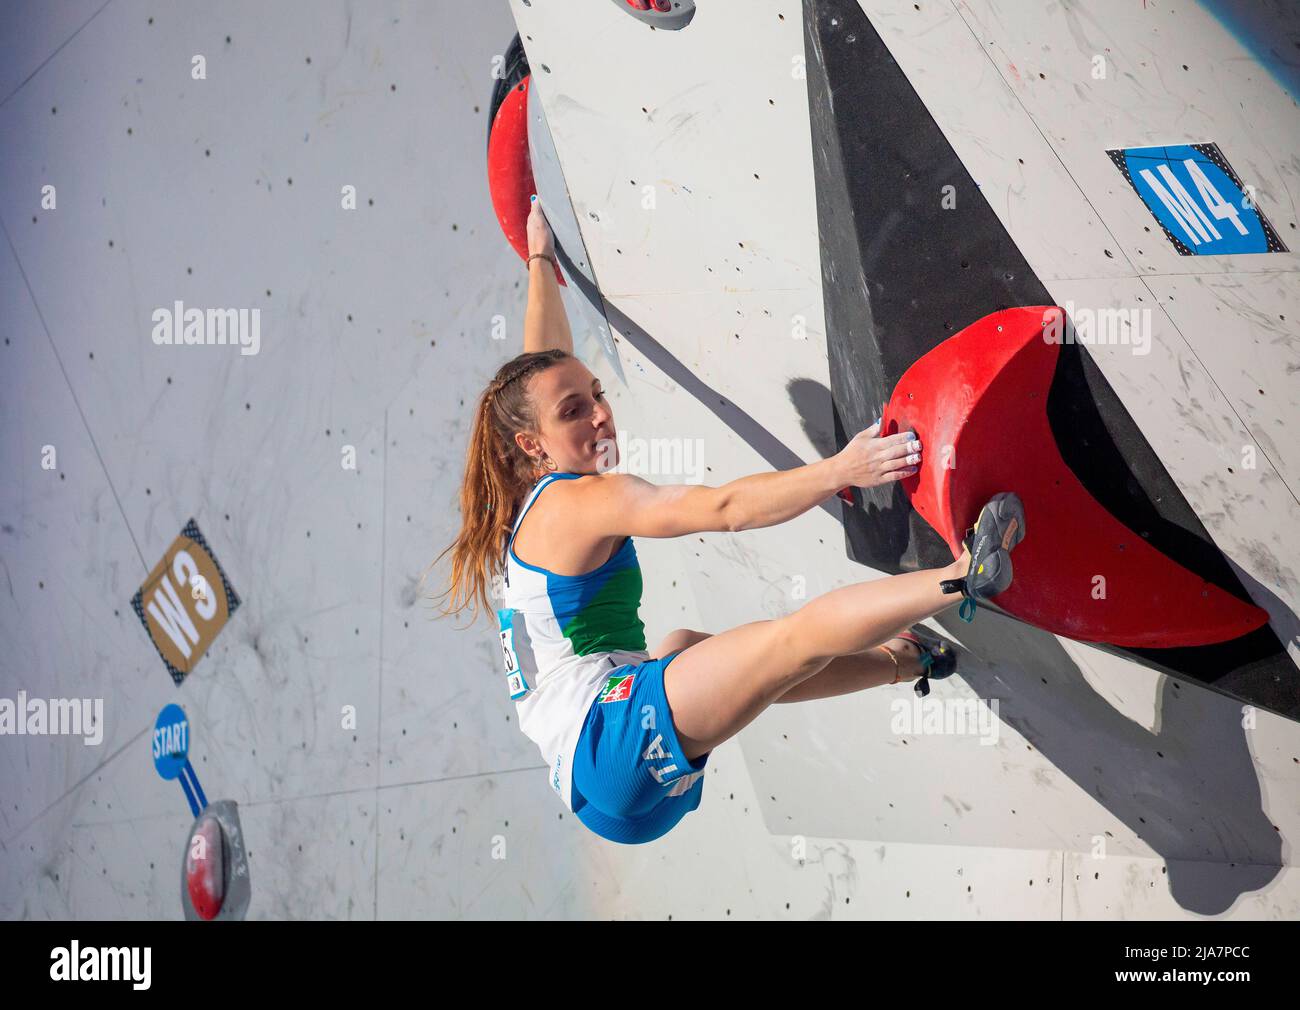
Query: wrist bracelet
[545, 256]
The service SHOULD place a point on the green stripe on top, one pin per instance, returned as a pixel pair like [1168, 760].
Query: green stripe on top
[608, 620]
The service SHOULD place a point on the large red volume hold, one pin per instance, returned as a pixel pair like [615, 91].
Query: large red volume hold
[978, 403]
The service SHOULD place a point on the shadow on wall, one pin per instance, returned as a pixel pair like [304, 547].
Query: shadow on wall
[1189, 790]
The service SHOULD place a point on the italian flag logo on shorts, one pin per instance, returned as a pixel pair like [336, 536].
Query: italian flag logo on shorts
[617, 688]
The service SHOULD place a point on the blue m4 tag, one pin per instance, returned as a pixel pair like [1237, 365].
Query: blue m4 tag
[516, 680]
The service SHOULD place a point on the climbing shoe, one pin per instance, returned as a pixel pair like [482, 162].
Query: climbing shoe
[938, 660]
[1000, 526]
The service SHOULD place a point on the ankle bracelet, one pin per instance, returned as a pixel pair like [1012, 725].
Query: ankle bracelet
[898, 671]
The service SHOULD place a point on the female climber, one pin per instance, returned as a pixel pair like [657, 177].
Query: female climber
[626, 733]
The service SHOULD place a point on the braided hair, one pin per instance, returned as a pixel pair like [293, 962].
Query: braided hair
[498, 475]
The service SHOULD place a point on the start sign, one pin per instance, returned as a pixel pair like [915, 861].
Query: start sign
[171, 755]
[171, 742]
[1197, 199]
[185, 602]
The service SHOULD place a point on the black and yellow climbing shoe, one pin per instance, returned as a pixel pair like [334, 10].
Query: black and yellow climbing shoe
[1000, 526]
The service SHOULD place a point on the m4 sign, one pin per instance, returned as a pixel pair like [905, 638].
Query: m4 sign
[1197, 199]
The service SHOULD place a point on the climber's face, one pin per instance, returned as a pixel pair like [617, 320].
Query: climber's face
[575, 426]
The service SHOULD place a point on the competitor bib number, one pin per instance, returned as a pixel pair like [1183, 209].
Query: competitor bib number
[516, 680]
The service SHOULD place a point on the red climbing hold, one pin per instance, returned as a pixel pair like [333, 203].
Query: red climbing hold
[510, 169]
[205, 868]
[978, 403]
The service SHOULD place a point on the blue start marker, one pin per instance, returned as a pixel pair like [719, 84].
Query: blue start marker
[171, 741]
[1197, 199]
[171, 754]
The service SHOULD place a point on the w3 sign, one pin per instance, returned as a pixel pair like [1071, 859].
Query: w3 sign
[1197, 199]
[185, 602]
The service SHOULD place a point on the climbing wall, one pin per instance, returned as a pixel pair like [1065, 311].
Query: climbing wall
[821, 264]
[328, 170]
